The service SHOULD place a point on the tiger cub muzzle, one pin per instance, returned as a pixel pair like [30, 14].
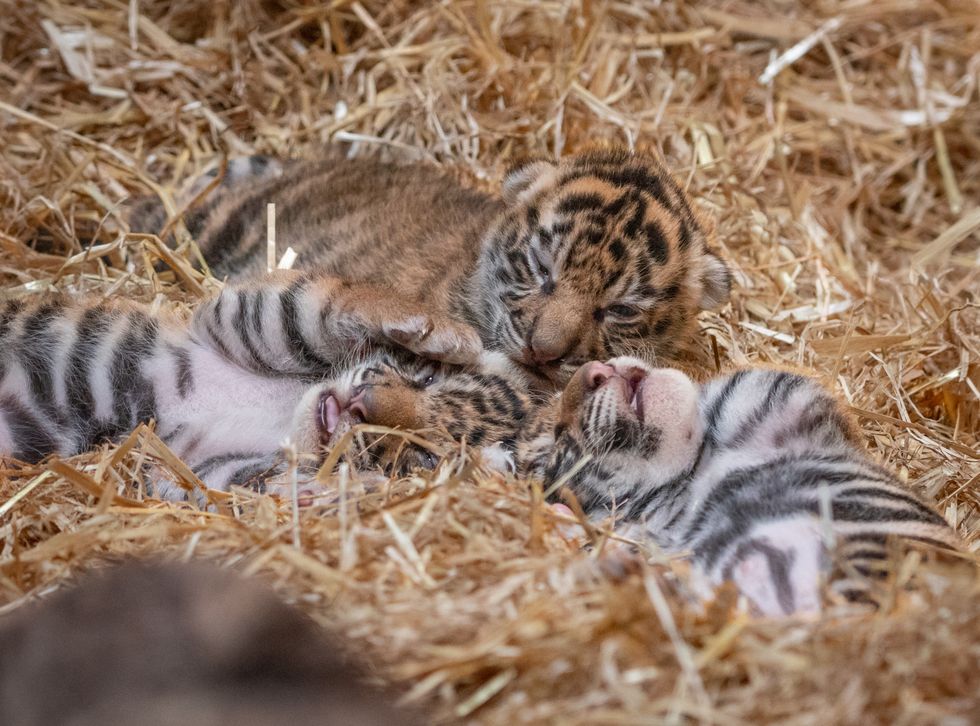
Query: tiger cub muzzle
[383, 400]
[625, 406]
[440, 403]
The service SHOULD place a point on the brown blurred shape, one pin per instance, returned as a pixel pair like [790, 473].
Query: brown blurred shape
[161, 644]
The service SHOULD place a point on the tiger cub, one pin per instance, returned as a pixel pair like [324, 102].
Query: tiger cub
[75, 373]
[600, 254]
[758, 474]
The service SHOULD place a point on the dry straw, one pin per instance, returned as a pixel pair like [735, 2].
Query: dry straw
[836, 144]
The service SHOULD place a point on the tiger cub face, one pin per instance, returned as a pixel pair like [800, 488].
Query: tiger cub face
[601, 254]
[634, 427]
[484, 405]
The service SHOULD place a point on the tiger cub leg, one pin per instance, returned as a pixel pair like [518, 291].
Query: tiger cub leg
[291, 323]
[220, 472]
[148, 214]
[779, 565]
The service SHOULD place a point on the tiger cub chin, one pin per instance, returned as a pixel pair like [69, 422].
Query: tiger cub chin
[75, 373]
[758, 474]
[599, 254]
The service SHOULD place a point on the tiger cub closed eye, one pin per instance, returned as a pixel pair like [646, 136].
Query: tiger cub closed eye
[75, 373]
[599, 254]
[758, 474]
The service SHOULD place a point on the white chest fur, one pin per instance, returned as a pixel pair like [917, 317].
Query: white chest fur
[226, 409]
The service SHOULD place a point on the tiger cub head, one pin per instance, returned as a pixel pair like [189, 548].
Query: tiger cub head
[483, 405]
[618, 430]
[599, 255]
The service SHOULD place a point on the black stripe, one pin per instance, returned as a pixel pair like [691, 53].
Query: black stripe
[714, 411]
[750, 516]
[780, 564]
[92, 331]
[907, 499]
[10, 310]
[580, 202]
[780, 389]
[183, 371]
[635, 178]
[222, 242]
[252, 476]
[663, 497]
[867, 554]
[215, 462]
[240, 324]
[298, 345]
[635, 224]
[169, 437]
[31, 441]
[866, 538]
[258, 307]
[618, 204]
[867, 571]
[216, 342]
[657, 243]
[850, 511]
[133, 396]
[37, 355]
[216, 310]
[685, 234]
[752, 488]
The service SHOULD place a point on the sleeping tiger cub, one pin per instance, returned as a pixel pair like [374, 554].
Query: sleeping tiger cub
[74, 373]
[758, 474]
[600, 254]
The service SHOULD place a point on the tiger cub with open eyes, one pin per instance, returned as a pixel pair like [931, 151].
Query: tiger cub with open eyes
[74, 373]
[758, 474]
[599, 254]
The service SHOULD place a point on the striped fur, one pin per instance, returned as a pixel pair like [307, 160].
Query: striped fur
[599, 254]
[758, 474]
[298, 324]
[75, 373]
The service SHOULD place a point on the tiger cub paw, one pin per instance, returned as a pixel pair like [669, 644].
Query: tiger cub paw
[435, 337]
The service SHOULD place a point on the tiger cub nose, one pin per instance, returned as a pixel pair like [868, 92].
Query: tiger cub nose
[597, 373]
[544, 354]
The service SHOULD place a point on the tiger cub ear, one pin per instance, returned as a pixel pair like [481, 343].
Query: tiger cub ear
[525, 178]
[716, 282]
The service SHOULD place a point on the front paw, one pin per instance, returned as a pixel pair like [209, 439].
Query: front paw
[436, 337]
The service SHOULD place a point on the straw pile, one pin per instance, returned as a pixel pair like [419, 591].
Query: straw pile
[837, 145]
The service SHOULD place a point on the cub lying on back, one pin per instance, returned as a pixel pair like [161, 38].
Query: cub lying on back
[758, 474]
[75, 373]
[598, 255]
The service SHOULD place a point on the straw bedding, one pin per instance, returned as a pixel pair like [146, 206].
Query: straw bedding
[836, 144]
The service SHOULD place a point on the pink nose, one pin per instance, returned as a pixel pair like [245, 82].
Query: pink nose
[597, 373]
